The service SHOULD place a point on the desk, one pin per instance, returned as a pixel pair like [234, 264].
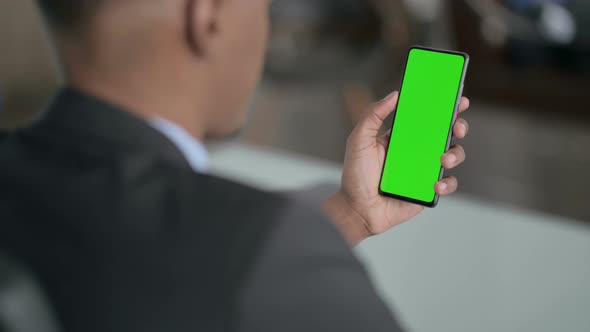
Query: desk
[466, 266]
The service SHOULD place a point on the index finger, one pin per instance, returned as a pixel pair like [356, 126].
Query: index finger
[464, 105]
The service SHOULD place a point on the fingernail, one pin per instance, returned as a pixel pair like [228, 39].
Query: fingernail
[443, 186]
[464, 126]
[391, 95]
[452, 158]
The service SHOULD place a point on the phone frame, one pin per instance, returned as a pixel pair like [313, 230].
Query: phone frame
[434, 203]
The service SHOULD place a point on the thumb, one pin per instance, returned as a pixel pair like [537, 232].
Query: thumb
[373, 119]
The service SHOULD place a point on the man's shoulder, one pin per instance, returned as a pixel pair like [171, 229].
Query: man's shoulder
[248, 202]
[4, 134]
[249, 211]
[216, 191]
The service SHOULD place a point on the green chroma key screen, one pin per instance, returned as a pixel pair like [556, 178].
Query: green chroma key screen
[422, 124]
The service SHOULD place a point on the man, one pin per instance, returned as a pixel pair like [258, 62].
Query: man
[107, 198]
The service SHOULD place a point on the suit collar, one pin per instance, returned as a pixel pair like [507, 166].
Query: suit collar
[87, 117]
[192, 149]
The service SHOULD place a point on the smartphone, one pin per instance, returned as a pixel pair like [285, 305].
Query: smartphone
[422, 127]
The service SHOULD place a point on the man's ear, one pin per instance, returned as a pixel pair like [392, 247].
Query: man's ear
[201, 25]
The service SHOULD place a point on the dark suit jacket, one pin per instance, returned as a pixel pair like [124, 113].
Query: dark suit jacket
[124, 236]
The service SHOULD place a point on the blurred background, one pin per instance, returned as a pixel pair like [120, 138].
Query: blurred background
[512, 251]
[328, 59]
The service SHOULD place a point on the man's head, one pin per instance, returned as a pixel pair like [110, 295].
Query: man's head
[195, 62]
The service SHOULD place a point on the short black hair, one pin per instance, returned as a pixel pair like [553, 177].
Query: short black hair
[67, 14]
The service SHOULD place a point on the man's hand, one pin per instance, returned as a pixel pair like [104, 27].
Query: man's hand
[358, 209]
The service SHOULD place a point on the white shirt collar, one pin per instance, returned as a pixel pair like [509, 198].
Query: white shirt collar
[194, 151]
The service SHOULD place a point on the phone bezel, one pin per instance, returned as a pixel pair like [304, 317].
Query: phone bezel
[435, 201]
